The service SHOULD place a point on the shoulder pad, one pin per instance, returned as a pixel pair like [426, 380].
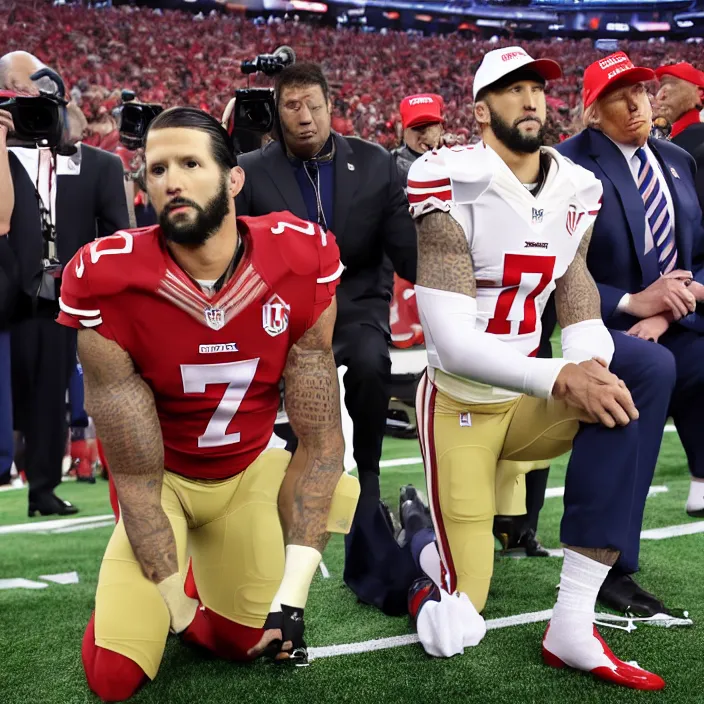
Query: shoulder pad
[588, 189]
[456, 176]
[107, 264]
[282, 242]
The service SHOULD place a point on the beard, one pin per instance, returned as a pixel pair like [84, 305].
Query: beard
[512, 137]
[208, 219]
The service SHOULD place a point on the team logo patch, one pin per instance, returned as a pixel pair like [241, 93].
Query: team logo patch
[537, 216]
[574, 217]
[275, 315]
[215, 318]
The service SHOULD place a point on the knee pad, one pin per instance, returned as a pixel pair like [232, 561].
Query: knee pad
[344, 504]
[466, 478]
[111, 676]
[511, 487]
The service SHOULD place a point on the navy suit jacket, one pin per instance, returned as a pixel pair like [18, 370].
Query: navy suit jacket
[617, 258]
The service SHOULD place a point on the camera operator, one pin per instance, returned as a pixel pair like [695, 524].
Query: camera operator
[352, 188]
[64, 197]
[7, 202]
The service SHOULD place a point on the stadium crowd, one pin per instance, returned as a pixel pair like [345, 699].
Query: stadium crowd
[170, 58]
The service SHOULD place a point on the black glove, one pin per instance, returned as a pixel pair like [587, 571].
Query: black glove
[290, 622]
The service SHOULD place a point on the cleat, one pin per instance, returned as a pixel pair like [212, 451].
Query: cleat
[619, 672]
[413, 514]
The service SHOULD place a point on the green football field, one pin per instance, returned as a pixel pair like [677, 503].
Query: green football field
[41, 627]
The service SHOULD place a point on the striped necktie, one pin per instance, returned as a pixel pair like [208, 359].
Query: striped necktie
[656, 213]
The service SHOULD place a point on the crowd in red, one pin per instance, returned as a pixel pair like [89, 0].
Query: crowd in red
[173, 59]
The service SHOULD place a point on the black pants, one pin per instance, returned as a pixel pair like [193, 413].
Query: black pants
[364, 350]
[43, 357]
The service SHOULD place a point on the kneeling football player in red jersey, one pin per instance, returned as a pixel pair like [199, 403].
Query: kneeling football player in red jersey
[185, 331]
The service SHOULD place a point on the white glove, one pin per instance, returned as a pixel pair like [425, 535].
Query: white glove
[447, 627]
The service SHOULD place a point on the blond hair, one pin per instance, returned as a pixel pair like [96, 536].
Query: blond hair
[590, 115]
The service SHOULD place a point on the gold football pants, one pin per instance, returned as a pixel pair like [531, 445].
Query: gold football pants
[231, 531]
[474, 458]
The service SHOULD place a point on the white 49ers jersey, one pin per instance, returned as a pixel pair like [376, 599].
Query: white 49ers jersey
[520, 243]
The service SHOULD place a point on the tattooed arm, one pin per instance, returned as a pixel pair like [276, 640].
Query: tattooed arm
[576, 294]
[122, 406]
[312, 401]
[444, 259]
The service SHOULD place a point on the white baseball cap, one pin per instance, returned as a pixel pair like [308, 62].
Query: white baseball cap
[500, 62]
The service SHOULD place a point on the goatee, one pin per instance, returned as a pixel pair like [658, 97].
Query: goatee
[193, 233]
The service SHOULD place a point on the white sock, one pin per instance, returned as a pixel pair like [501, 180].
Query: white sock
[695, 500]
[429, 559]
[571, 635]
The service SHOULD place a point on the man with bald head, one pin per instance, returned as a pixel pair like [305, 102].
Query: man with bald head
[63, 198]
[646, 257]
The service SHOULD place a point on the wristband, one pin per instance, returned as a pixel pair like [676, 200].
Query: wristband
[301, 563]
[182, 609]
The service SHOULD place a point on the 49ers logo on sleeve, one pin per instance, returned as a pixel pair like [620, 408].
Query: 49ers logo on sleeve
[574, 217]
[275, 315]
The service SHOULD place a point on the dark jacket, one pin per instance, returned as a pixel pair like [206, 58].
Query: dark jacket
[617, 258]
[89, 205]
[370, 219]
[691, 139]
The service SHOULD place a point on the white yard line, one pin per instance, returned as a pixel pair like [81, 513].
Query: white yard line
[324, 570]
[85, 526]
[47, 526]
[397, 641]
[673, 531]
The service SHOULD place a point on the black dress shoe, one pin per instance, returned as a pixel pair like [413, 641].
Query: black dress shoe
[50, 505]
[621, 593]
[529, 541]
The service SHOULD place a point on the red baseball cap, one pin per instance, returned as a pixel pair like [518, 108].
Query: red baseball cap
[614, 68]
[682, 70]
[423, 109]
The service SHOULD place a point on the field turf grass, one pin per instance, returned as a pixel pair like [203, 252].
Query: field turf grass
[41, 630]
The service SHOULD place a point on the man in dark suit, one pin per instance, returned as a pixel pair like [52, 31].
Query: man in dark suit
[352, 188]
[6, 301]
[64, 198]
[647, 243]
[679, 100]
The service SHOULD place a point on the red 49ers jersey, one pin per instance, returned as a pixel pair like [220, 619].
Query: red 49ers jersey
[214, 364]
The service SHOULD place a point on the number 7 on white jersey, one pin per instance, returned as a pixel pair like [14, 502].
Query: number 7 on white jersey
[238, 376]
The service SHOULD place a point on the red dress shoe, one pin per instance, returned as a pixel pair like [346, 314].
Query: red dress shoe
[620, 672]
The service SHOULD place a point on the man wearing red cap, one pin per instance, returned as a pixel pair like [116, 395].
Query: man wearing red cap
[502, 225]
[679, 100]
[646, 250]
[423, 121]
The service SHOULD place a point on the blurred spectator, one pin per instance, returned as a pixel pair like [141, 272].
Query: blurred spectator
[422, 121]
[64, 197]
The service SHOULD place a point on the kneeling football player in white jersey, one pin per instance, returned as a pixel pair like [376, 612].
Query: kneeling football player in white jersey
[501, 225]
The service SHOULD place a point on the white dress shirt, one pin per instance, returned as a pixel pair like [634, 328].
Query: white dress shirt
[65, 166]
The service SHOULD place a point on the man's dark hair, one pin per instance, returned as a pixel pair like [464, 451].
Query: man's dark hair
[303, 74]
[195, 119]
[520, 74]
